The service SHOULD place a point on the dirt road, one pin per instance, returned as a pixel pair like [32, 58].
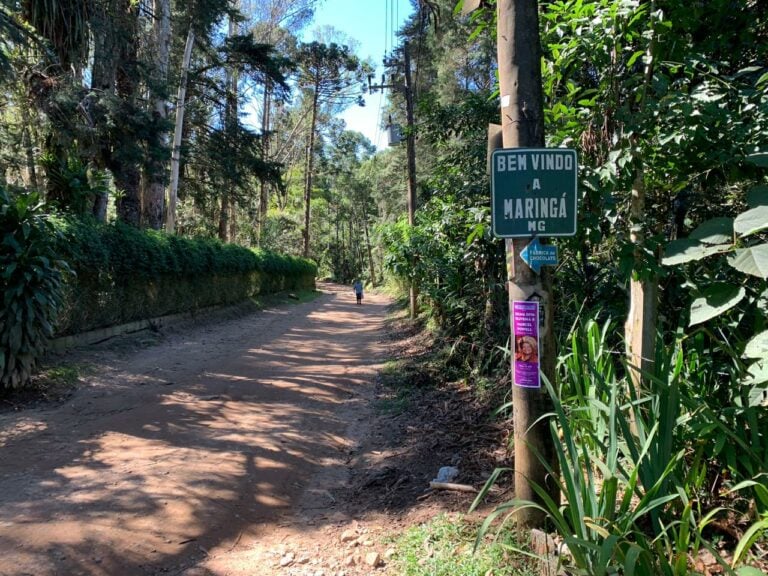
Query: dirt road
[204, 454]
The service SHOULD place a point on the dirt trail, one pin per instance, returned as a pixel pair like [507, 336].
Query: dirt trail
[205, 454]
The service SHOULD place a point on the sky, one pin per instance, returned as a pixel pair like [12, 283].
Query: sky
[373, 23]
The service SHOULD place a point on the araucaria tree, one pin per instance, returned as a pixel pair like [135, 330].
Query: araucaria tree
[330, 78]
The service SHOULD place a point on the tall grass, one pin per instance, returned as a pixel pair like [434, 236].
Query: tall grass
[631, 502]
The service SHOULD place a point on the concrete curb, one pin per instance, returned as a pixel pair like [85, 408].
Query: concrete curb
[95, 336]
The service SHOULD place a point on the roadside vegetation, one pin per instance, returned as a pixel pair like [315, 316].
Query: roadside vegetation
[668, 475]
[662, 473]
[446, 547]
[67, 275]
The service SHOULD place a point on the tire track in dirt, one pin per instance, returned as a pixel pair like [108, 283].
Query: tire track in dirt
[198, 455]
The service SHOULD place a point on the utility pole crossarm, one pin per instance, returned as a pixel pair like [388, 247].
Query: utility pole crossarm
[372, 88]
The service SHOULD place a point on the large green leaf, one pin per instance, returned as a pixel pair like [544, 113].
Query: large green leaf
[752, 535]
[687, 250]
[715, 300]
[752, 260]
[751, 221]
[762, 302]
[756, 374]
[757, 347]
[758, 159]
[757, 196]
[714, 231]
[706, 94]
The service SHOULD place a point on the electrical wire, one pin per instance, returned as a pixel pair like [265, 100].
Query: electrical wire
[397, 11]
[391, 22]
[389, 34]
[385, 25]
[419, 46]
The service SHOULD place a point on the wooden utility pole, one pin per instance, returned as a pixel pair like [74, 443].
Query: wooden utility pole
[522, 120]
[410, 148]
[411, 154]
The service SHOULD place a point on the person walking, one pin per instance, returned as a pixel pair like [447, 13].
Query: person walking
[358, 287]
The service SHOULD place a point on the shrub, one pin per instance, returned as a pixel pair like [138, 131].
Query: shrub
[30, 283]
[120, 274]
[125, 274]
[627, 466]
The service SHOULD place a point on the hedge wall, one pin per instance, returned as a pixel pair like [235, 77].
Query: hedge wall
[121, 274]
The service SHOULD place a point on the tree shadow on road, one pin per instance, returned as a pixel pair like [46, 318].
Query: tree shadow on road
[168, 457]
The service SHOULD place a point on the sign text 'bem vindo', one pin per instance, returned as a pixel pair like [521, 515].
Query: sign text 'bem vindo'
[533, 192]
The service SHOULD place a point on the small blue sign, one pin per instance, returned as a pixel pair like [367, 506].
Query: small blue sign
[537, 255]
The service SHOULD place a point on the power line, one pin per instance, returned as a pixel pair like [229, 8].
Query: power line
[397, 19]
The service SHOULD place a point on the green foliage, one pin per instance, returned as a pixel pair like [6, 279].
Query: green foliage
[450, 254]
[70, 186]
[457, 266]
[332, 73]
[65, 376]
[443, 547]
[725, 264]
[12, 33]
[249, 56]
[124, 274]
[64, 24]
[229, 156]
[727, 428]
[343, 206]
[30, 284]
[665, 91]
[632, 488]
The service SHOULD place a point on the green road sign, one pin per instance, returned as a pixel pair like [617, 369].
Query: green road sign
[533, 192]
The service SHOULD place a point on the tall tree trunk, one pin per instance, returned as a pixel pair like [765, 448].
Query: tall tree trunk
[170, 221]
[154, 192]
[232, 220]
[352, 246]
[103, 77]
[125, 168]
[26, 139]
[127, 178]
[265, 129]
[224, 217]
[230, 123]
[640, 327]
[338, 219]
[310, 166]
[410, 147]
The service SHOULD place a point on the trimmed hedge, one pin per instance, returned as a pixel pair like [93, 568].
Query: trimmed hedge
[123, 274]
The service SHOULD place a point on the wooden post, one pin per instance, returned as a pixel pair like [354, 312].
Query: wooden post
[410, 150]
[522, 121]
[640, 328]
[411, 159]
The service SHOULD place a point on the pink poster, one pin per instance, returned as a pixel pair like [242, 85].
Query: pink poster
[525, 327]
